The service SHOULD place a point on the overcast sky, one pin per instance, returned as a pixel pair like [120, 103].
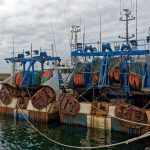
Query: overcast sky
[29, 22]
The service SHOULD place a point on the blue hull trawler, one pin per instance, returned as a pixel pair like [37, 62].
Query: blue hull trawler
[109, 88]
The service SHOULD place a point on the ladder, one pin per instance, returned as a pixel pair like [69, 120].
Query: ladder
[104, 82]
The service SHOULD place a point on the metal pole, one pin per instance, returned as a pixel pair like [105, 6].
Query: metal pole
[13, 66]
[127, 32]
[136, 20]
[149, 38]
[100, 32]
[52, 46]
[83, 39]
[31, 50]
[13, 48]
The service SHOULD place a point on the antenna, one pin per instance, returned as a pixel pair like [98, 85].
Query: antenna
[80, 26]
[75, 30]
[13, 65]
[13, 48]
[136, 21]
[84, 38]
[131, 5]
[53, 34]
[52, 46]
[120, 7]
[149, 38]
[67, 27]
[31, 50]
[100, 37]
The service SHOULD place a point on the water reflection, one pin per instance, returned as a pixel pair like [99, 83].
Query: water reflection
[19, 135]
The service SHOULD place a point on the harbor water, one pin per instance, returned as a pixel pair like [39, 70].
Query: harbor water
[19, 135]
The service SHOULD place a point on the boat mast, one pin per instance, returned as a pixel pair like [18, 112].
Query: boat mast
[128, 17]
[74, 36]
[13, 65]
[75, 30]
[83, 39]
[149, 38]
[136, 22]
[100, 37]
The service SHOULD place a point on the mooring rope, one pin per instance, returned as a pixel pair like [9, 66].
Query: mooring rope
[81, 147]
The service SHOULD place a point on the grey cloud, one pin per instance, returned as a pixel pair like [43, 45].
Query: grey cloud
[29, 22]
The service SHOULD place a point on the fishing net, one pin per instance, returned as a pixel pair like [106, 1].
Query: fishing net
[114, 63]
[79, 68]
[137, 68]
[96, 65]
[148, 62]
[46, 75]
[136, 75]
[77, 79]
[21, 81]
[114, 70]
[87, 73]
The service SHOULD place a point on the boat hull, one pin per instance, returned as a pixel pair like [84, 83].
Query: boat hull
[45, 115]
[105, 119]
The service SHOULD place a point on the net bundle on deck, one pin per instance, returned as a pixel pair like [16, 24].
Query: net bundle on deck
[114, 70]
[136, 75]
[96, 66]
[39, 77]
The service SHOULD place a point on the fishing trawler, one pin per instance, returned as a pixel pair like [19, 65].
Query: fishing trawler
[30, 92]
[110, 87]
